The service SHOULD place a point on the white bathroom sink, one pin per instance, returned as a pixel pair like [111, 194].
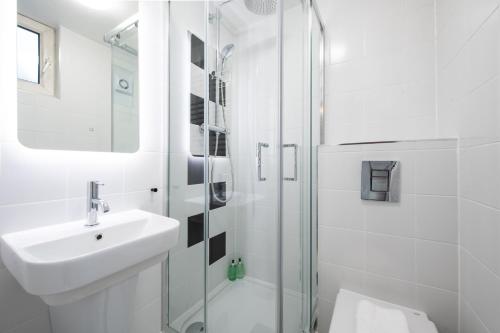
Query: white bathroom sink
[66, 262]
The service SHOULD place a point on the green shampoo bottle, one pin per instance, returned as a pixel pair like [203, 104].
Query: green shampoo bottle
[231, 273]
[240, 269]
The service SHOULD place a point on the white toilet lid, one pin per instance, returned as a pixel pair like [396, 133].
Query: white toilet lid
[344, 314]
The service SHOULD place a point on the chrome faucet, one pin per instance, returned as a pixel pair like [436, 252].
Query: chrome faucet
[94, 203]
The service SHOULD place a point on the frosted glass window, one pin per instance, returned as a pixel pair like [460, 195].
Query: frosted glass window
[28, 55]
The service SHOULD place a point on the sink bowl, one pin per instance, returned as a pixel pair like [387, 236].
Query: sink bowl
[67, 262]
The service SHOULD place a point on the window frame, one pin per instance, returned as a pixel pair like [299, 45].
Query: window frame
[47, 59]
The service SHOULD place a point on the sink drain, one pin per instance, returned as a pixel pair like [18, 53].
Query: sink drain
[196, 327]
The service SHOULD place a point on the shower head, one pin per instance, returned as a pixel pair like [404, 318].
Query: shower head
[227, 52]
[261, 7]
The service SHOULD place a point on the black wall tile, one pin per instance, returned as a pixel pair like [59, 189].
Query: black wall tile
[195, 229]
[195, 170]
[197, 107]
[221, 149]
[217, 248]
[220, 190]
[222, 89]
[197, 52]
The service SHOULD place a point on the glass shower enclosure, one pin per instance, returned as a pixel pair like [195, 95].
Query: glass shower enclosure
[245, 98]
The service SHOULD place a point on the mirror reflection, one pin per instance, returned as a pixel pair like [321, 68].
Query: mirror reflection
[77, 70]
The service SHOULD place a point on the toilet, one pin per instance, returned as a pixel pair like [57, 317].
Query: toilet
[344, 314]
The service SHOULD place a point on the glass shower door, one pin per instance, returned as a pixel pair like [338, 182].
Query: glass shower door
[241, 168]
[242, 48]
[299, 145]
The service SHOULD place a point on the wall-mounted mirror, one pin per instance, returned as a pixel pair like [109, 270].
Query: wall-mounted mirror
[77, 70]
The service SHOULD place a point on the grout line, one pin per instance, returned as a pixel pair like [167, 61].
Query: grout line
[483, 205]
[471, 308]
[390, 235]
[468, 39]
[436, 74]
[480, 262]
[365, 272]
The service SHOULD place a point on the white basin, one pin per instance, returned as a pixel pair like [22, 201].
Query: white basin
[67, 262]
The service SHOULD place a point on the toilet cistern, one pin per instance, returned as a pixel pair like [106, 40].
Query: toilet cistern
[94, 203]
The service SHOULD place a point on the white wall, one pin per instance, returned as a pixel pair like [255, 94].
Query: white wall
[40, 187]
[405, 252]
[469, 65]
[380, 70]
[78, 117]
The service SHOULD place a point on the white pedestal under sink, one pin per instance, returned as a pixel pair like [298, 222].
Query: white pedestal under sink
[88, 275]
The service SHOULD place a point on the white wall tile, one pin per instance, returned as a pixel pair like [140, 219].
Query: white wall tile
[436, 172]
[334, 277]
[342, 247]
[391, 218]
[436, 218]
[480, 233]
[408, 245]
[481, 185]
[341, 209]
[382, 54]
[391, 290]
[437, 265]
[481, 289]
[340, 171]
[18, 217]
[390, 256]
[441, 307]
[23, 184]
[469, 321]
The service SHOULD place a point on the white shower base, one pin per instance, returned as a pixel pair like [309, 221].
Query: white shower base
[243, 306]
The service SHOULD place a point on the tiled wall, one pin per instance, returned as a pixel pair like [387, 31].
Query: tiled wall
[40, 187]
[187, 70]
[469, 64]
[380, 70]
[79, 116]
[403, 252]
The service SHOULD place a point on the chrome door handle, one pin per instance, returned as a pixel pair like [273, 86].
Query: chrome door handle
[295, 148]
[260, 145]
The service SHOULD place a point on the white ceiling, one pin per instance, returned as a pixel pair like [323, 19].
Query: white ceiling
[74, 15]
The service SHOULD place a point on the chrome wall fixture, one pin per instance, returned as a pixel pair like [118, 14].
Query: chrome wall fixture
[260, 145]
[380, 181]
[295, 153]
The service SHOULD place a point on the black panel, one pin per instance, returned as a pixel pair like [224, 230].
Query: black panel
[217, 248]
[221, 149]
[197, 52]
[222, 90]
[195, 230]
[197, 107]
[220, 190]
[195, 170]
[211, 89]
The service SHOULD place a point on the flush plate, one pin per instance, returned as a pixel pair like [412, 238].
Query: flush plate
[380, 180]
